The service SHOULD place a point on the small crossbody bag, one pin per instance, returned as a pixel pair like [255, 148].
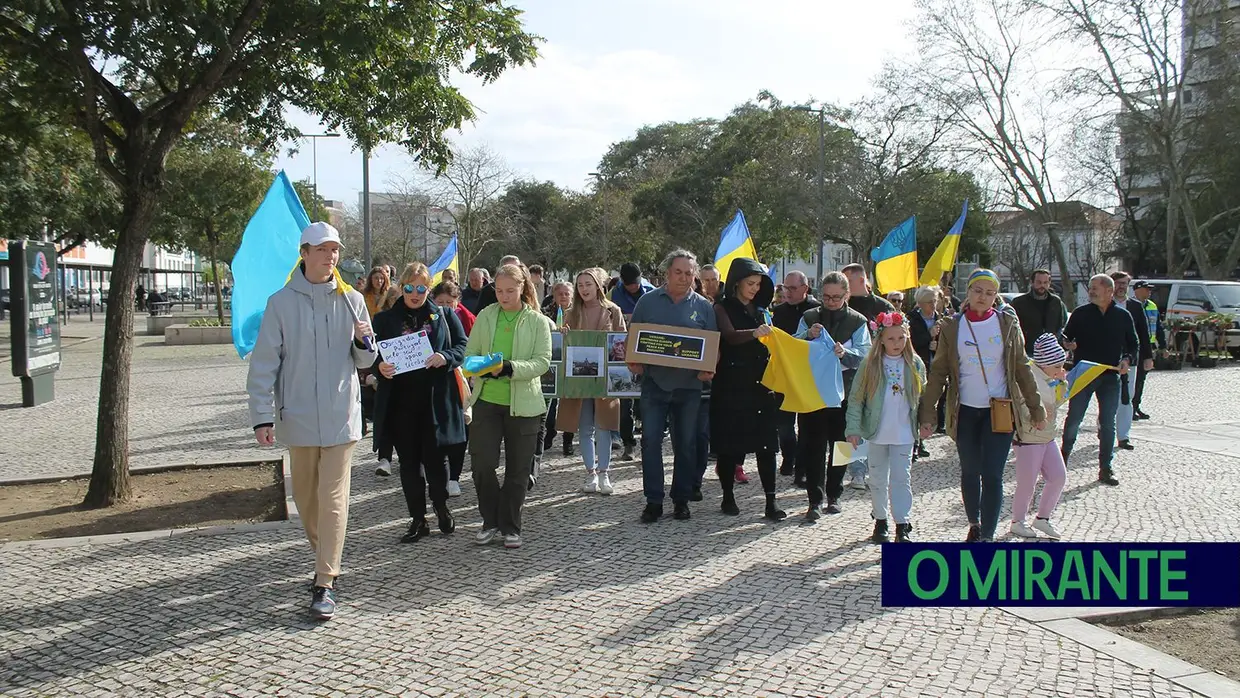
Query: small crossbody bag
[1002, 416]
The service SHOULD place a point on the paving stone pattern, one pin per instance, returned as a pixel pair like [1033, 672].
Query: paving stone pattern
[595, 603]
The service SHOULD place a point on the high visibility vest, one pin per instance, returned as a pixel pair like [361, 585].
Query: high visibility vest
[1151, 320]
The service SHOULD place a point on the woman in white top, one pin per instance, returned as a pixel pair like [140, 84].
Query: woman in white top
[980, 362]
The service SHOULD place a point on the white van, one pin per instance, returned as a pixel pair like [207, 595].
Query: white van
[1189, 298]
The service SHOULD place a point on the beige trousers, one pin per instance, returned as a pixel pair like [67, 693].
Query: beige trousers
[321, 477]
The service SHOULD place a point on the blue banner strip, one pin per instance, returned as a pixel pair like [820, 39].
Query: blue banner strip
[1061, 574]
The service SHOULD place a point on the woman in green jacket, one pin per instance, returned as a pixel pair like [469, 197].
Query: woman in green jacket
[508, 404]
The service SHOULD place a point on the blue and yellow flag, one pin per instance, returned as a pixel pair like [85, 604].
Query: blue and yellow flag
[1082, 374]
[896, 258]
[944, 258]
[807, 374]
[261, 266]
[447, 260]
[734, 243]
[474, 366]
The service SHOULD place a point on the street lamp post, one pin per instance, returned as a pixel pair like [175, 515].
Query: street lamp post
[601, 181]
[314, 156]
[822, 179]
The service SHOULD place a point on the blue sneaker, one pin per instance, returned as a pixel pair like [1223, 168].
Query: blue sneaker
[323, 606]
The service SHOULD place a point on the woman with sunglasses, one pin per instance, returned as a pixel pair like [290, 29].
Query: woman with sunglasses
[508, 404]
[420, 410]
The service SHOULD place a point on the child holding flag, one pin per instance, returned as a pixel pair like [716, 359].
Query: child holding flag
[882, 409]
[1036, 450]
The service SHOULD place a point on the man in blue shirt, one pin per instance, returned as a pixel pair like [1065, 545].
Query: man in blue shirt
[631, 289]
[672, 392]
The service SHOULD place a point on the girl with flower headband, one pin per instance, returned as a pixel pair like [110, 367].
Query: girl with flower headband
[882, 409]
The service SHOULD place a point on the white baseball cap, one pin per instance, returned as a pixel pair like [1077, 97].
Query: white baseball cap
[316, 234]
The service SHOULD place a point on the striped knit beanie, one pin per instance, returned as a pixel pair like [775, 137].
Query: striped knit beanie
[1047, 352]
[983, 275]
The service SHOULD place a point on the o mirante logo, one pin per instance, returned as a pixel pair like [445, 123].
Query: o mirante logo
[1061, 574]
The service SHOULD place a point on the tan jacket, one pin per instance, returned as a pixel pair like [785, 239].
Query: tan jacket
[945, 372]
[1026, 431]
[606, 410]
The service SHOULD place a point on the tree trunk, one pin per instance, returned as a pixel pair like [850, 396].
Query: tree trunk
[109, 477]
[215, 274]
[1175, 267]
[1061, 260]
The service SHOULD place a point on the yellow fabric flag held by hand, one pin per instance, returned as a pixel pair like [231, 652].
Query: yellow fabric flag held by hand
[807, 374]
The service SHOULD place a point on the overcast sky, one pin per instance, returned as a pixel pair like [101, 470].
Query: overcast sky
[608, 68]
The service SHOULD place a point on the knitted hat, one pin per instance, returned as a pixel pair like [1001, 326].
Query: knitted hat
[983, 275]
[1047, 352]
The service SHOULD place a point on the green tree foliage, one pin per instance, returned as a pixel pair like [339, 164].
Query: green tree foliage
[134, 76]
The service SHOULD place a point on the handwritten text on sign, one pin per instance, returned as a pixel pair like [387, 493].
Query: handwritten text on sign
[407, 352]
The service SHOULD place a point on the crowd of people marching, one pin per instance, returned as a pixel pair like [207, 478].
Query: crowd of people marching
[980, 370]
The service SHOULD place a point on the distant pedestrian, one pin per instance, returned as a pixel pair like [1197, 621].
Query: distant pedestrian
[313, 338]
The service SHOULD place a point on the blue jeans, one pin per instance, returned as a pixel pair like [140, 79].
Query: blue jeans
[858, 469]
[589, 431]
[1106, 388]
[703, 441]
[1123, 413]
[890, 476]
[682, 408]
[983, 455]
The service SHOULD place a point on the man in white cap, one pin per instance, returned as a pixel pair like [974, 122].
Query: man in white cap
[314, 336]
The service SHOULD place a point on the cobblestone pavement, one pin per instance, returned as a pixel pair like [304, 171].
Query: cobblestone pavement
[187, 405]
[595, 603]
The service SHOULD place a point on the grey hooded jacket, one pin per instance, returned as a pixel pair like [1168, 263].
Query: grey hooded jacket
[303, 371]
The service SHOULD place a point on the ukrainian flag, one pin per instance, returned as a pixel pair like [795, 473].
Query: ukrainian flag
[261, 266]
[734, 243]
[793, 361]
[944, 258]
[1082, 374]
[447, 260]
[474, 366]
[897, 258]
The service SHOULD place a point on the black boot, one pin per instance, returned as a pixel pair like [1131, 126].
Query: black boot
[1106, 477]
[568, 444]
[774, 513]
[446, 523]
[697, 494]
[681, 511]
[729, 505]
[788, 467]
[880, 531]
[628, 453]
[903, 531]
[417, 531]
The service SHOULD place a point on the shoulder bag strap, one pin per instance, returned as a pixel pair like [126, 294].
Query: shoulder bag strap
[977, 348]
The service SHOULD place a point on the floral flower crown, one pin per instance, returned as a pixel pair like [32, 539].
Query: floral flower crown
[885, 320]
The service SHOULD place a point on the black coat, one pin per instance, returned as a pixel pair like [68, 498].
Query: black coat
[743, 412]
[921, 336]
[447, 337]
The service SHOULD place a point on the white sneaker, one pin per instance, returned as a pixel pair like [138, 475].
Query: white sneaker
[486, 535]
[1045, 526]
[1020, 528]
[454, 488]
[512, 541]
[385, 468]
[604, 483]
[858, 483]
[591, 485]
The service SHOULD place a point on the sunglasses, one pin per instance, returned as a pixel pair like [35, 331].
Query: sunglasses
[410, 288]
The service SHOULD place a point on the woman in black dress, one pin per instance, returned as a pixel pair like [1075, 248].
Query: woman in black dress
[742, 410]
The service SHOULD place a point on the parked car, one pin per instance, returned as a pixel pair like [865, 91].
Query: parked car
[84, 297]
[1190, 298]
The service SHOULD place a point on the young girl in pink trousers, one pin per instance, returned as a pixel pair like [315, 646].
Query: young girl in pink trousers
[1036, 450]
